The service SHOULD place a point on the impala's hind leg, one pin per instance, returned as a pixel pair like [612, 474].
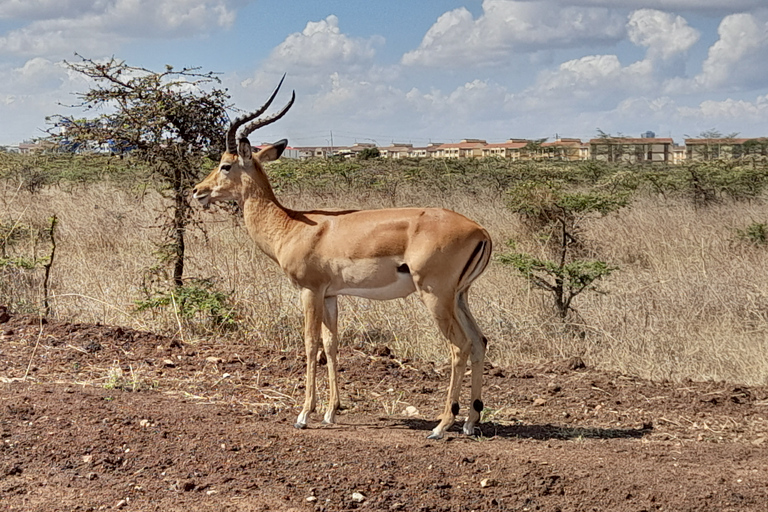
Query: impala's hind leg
[477, 358]
[443, 309]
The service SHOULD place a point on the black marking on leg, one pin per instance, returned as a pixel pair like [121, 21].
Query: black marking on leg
[478, 405]
[485, 342]
[403, 269]
[455, 408]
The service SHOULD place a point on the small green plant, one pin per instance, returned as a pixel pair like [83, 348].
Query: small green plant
[197, 299]
[755, 234]
[118, 379]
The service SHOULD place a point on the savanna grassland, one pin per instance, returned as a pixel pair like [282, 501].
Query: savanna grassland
[626, 310]
[687, 297]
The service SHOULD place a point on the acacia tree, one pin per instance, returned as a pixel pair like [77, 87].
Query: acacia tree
[556, 217]
[170, 120]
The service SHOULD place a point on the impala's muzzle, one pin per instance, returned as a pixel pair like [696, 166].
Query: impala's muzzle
[203, 198]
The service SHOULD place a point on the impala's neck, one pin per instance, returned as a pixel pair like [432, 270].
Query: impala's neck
[265, 218]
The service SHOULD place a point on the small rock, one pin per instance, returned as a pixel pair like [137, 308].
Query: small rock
[121, 504]
[145, 423]
[211, 492]
[168, 363]
[87, 459]
[487, 482]
[539, 402]
[311, 499]
[358, 497]
[411, 411]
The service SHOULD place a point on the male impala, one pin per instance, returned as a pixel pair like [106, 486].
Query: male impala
[377, 254]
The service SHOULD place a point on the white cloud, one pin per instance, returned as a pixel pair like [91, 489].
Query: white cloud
[592, 82]
[728, 110]
[737, 59]
[707, 6]
[665, 35]
[29, 93]
[459, 40]
[85, 26]
[321, 44]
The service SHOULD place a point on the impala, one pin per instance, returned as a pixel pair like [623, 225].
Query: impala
[377, 254]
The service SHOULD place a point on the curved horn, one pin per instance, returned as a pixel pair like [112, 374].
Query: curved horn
[267, 120]
[231, 135]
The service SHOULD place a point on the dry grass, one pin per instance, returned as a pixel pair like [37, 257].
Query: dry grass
[689, 300]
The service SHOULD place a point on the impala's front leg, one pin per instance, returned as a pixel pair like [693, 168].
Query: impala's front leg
[312, 303]
[330, 345]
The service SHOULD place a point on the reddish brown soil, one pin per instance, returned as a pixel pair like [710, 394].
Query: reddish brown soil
[102, 418]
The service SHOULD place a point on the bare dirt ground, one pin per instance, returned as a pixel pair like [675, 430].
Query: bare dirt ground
[100, 418]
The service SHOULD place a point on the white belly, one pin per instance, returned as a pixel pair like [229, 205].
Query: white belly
[402, 287]
[371, 278]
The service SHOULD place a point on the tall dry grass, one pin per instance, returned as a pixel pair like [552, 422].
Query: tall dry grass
[690, 300]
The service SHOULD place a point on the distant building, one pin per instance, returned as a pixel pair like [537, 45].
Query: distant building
[631, 150]
[724, 148]
[396, 151]
[569, 150]
[467, 148]
[512, 149]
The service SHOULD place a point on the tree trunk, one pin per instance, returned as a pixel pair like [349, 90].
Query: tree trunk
[179, 227]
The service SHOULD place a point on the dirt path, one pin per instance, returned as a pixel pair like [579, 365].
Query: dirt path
[110, 418]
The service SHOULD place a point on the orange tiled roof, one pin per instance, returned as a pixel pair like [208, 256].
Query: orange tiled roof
[630, 140]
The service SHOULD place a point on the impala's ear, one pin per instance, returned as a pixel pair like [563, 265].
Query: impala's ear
[272, 152]
[244, 149]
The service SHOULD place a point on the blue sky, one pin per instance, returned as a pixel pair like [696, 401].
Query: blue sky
[405, 71]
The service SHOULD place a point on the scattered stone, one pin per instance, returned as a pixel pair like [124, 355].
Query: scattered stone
[168, 363]
[358, 497]
[121, 503]
[488, 482]
[311, 499]
[411, 411]
[87, 459]
[145, 423]
[539, 402]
